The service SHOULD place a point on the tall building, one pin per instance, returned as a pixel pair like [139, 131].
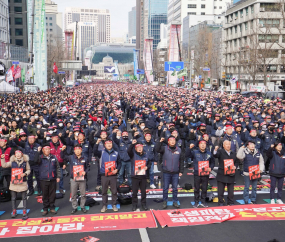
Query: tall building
[54, 26]
[101, 18]
[4, 37]
[18, 22]
[86, 36]
[140, 29]
[156, 14]
[132, 23]
[254, 37]
[179, 9]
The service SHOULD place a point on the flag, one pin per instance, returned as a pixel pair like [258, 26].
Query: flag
[182, 73]
[63, 81]
[23, 71]
[10, 74]
[52, 80]
[234, 80]
[55, 69]
[29, 73]
[17, 72]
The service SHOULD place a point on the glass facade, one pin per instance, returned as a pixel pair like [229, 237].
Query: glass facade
[157, 14]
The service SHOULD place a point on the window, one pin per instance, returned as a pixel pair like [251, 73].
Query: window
[191, 13]
[269, 23]
[215, 7]
[283, 38]
[50, 30]
[240, 28]
[17, 1]
[203, 5]
[50, 18]
[18, 21]
[18, 9]
[241, 13]
[220, 7]
[18, 32]
[192, 5]
[268, 38]
[19, 42]
[236, 14]
[252, 9]
[235, 43]
[246, 11]
[50, 24]
[245, 25]
[268, 53]
[203, 13]
[235, 29]
[270, 7]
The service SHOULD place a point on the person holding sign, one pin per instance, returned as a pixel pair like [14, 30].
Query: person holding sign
[276, 155]
[78, 168]
[109, 162]
[139, 164]
[20, 169]
[226, 172]
[253, 165]
[203, 164]
[49, 170]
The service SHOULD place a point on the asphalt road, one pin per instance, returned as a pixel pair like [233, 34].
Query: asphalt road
[226, 231]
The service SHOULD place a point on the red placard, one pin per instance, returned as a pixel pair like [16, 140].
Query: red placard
[78, 173]
[110, 166]
[16, 176]
[140, 167]
[202, 168]
[228, 167]
[253, 172]
[77, 224]
[201, 216]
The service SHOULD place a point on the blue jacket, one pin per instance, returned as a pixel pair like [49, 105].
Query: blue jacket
[74, 161]
[31, 152]
[149, 149]
[49, 167]
[123, 148]
[268, 139]
[106, 156]
[250, 160]
[277, 163]
[197, 155]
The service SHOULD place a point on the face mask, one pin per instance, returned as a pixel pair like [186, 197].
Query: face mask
[47, 138]
[71, 120]
[203, 130]
[125, 137]
[17, 119]
[60, 125]
[51, 131]
[263, 116]
[54, 130]
[142, 127]
[4, 116]
[89, 122]
[36, 117]
[271, 128]
[20, 110]
[38, 126]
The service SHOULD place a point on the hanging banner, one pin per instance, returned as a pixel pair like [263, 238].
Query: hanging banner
[136, 52]
[29, 19]
[117, 74]
[147, 59]
[40, 45]
[69, 44]
[173, 54]
[201, 216]
[76, 224]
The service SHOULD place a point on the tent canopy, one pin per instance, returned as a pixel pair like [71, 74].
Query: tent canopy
[7, 88]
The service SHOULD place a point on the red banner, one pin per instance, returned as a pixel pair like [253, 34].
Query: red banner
[201, 216]
[76, 224]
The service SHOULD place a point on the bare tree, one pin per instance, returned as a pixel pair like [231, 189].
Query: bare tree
[55, 53]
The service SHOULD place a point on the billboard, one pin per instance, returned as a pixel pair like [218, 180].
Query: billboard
[109, 69]
[136, 52]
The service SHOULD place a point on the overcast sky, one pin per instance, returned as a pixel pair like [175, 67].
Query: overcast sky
[118, 8]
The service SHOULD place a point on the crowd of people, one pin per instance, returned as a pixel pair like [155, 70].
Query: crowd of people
[129, 129]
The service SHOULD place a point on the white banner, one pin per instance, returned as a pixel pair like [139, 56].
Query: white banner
[147, 59]
[175, 32]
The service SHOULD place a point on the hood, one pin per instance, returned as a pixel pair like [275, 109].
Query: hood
[25, 158]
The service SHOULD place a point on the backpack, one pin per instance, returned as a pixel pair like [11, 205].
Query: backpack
[123, 188]
[5, 195]
[89, 202]
[124, 199]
